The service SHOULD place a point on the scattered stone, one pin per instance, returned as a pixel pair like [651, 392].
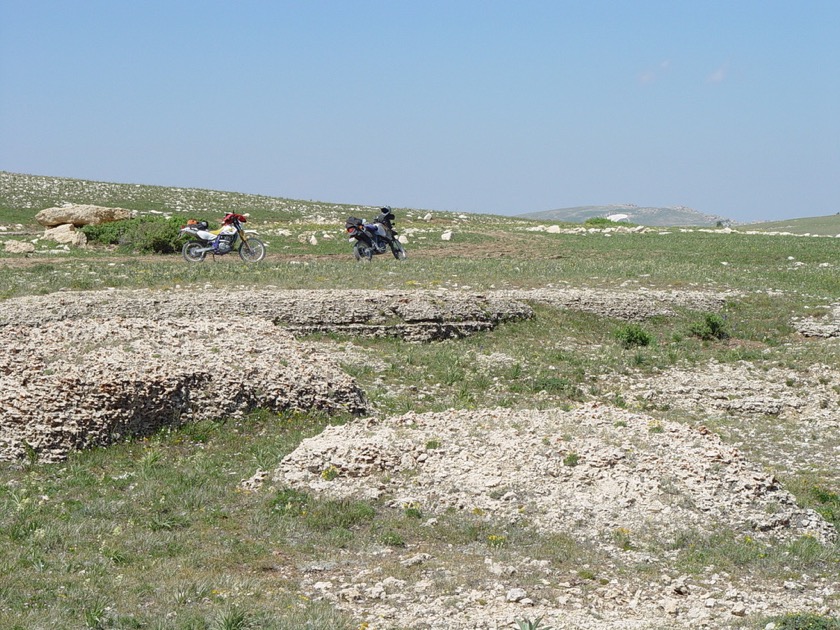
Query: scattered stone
[255, 482]
[625, 477]
[18, 247]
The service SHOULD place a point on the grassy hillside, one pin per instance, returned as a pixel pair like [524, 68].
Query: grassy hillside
[157, 533]
[22, 196]
[826, 226]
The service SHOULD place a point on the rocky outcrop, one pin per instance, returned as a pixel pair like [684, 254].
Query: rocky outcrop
[74, 384]
[826, 326]
[626, 304]
[412, 315]
[79, 215]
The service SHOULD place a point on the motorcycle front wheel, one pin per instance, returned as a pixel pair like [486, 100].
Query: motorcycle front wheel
[192, 252]
[252, 251]
[397, 249]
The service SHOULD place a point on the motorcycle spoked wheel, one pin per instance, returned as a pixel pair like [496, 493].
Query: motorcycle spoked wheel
[192, 252]
[361, 252]
[252, 251]
[397, 250]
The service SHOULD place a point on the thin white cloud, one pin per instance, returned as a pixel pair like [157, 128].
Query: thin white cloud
[719, 75]
[647, 77]
[651, 76]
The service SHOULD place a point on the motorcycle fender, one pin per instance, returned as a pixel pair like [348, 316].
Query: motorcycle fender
[364, 239]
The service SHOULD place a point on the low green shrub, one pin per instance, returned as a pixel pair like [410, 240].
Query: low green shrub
[529, 624]
[711, 327]
[633, 335]
[143, 234]
[601, 222]
[805, 621]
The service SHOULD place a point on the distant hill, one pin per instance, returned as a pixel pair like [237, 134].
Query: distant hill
[630, 213]
[825, 226]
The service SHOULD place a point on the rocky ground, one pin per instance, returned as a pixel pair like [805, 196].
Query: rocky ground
[83, 369]
[76, 383]
[413, 315]
[789, 419]
[624, 483]
[826, 326]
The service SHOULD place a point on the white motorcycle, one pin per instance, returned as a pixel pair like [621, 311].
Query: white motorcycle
[222, 241]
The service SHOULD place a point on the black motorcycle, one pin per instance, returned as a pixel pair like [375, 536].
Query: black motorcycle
[371, 239]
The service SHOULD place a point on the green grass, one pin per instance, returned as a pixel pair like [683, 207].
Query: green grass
[682, 261]
[136, 531]
[124, 537]
[827, 225]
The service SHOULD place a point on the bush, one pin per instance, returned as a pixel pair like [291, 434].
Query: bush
[711, 327]
[143, 234]
[633, 335]
[805, 621]
[599, 222]
[602, 222]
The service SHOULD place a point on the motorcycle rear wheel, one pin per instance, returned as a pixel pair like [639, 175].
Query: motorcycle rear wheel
[252, 251]
[397, 249]
[192, 252]
[360, 252]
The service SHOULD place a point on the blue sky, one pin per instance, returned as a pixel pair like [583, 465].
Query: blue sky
[504, 107]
